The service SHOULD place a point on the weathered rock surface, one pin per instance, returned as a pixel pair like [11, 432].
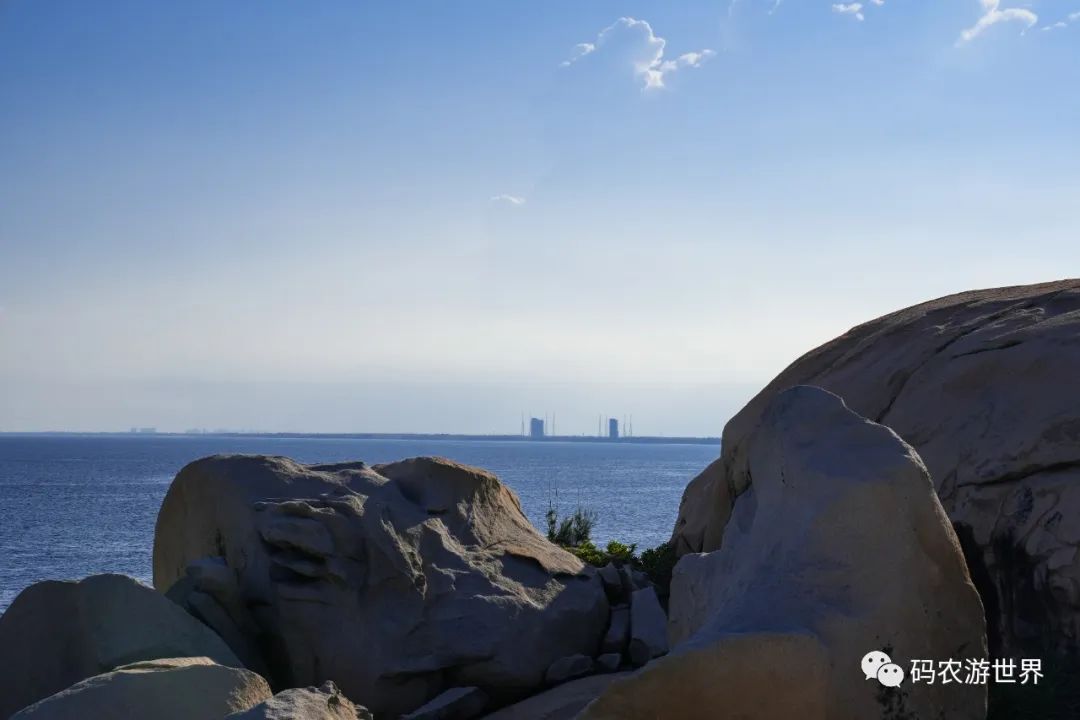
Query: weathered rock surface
[560, 703]
[396, 581]
[311, 703]
[460, 703]
[58, 633]
[648, 627]
[984, 385]
[165, 689]
[838, 547]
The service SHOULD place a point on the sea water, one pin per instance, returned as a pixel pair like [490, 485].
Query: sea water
[73, 505]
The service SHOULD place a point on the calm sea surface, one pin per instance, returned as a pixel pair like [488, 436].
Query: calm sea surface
[72, 506]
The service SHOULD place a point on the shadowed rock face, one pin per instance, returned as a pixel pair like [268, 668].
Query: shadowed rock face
[57, 633]
[838, 547]
[395, 581]
[984, 385]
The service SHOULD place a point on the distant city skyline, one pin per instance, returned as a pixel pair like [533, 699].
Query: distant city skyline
[427, 216]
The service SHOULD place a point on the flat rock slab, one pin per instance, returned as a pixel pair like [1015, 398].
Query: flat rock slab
[560, 703]
[460, 703]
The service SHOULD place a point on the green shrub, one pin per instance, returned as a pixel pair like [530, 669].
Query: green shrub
[571, 531]
[658, 562]
[621, 554]
[574, 534]
[589, 554]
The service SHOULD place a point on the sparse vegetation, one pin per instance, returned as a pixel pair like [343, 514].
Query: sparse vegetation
[658, 563]
[574, 534]
[571, 531]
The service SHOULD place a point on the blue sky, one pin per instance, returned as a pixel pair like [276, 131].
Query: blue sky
[433, 216]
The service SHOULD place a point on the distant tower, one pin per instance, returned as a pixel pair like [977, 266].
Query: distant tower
[536, 428]
[522, 424]
[613, 428]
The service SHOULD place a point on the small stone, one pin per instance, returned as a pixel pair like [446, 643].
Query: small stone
[612, 580]
[609, 662]
[569, 668]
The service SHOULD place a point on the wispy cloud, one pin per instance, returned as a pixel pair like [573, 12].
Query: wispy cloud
[1060, 24]
[635, 41]
[508, 199]
[580, 51]
[994, 14]
[854, 9]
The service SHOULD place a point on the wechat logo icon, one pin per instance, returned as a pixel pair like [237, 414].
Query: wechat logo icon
[877, 665]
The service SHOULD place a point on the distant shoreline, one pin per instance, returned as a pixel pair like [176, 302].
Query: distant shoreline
[636, 440]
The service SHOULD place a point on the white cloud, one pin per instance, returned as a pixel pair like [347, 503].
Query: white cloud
[508, 199]
[854, 9]
[635, 42]
[994, 14]
[1069, 19]
[580, 51]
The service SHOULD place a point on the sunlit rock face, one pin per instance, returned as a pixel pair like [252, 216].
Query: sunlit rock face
[839, 547]
[395, 581]
[185, 688]
[984, 384]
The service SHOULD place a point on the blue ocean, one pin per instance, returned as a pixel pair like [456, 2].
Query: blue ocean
[72, 506]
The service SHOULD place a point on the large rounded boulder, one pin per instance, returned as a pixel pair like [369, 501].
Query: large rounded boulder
[396, 581]
[839, 548]
[57, 633]
[984, 386]
[165, 689]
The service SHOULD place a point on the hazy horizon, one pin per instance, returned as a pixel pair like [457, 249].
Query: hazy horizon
[432, 217]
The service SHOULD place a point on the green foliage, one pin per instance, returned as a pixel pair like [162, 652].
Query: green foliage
[658, 562]
[589, 554]
[552, 523]
[574, 534]
[570, 531]
[621, 553]
[615, 552]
